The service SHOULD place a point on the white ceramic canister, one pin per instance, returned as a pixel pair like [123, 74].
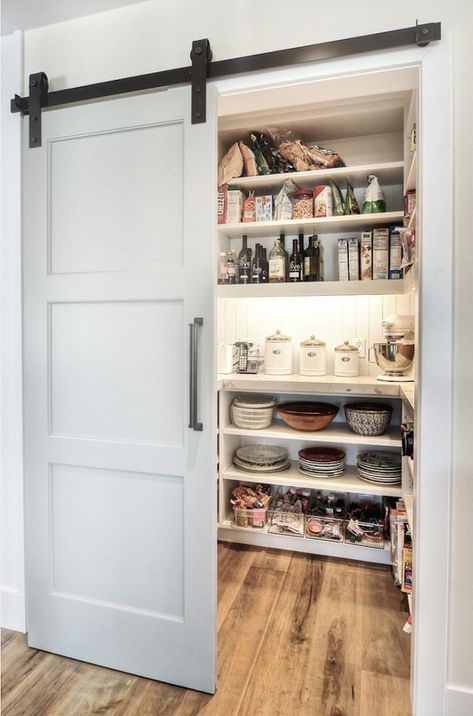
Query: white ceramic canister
[278, 354]
[346, 360]
[312, 357]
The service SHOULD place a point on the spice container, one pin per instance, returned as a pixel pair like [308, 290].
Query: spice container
[312, 357]
[303, 204]
[278, 354]
[346, 360]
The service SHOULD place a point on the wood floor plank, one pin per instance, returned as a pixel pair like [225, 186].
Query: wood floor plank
[309, 655]
[384, 695]
[386, 648]
[298, 634]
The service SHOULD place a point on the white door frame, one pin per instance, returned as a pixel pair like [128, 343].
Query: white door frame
[434, 384]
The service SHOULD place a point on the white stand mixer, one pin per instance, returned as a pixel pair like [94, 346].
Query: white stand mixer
[396, 356]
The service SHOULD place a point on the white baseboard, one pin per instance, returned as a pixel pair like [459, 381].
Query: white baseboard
[13, 609]
[459, 700]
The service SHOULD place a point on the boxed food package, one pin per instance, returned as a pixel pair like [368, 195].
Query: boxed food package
[409, 202]
[354, 259]
[343, 259]
[221, 204]
[380, 253]
[234, 206]
[323, 201]
[406, 584]
[366, 256]
[264, 208]
[395, 256]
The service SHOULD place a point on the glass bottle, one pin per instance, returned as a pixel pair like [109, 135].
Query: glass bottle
[296, 265]
[231, 269]
[244, 262]
[277, 263]
[264, 266]
[321, 260]
[301, 245]
[257, 265]
[282, 239]
[311, 260]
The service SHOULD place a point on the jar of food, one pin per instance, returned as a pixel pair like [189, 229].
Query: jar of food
[303, 204]
[278, 354]
[346, 360]
[312, 357]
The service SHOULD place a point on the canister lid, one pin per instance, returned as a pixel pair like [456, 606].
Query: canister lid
[312, 341]
[302, 192]
[346, 347]
[278, 336]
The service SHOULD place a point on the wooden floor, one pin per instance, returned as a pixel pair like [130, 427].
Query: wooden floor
[298, 635]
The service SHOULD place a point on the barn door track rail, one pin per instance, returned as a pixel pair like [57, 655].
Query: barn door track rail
[202, 68]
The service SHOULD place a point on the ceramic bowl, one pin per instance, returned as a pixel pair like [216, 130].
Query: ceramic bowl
[307, 415]
[368, 418]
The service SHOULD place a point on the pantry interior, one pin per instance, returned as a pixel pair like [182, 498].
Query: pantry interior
[368, 119]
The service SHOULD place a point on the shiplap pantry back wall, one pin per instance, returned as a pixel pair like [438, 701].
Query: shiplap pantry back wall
[333, 319]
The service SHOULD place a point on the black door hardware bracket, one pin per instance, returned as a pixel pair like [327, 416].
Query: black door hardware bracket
[203, 68]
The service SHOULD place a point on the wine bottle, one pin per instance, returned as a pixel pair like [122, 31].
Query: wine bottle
[301, 245]
[244, 262]
[257, 265]
[321, 261]
[296, 266]
[277, 263]
[264, 265]
[311, 260]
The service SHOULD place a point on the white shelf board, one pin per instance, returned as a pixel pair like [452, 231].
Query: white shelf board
[330, 224]
[260, 537]
[407, 392]
[296, 383]
[338, 433]
[388, 173]
[411, 176]
[349, 482]
[313, 288]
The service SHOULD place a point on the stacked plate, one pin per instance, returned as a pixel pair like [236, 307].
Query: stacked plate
[261, 458]
[322, 462]
[381, 468]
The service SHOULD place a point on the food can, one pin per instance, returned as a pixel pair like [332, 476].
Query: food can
[323, 201]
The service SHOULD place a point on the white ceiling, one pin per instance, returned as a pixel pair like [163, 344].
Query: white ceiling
[27, 14]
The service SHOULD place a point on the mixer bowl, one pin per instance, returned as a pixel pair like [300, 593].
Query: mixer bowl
[394, 358]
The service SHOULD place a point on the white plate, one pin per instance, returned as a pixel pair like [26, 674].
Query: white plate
[261, 454]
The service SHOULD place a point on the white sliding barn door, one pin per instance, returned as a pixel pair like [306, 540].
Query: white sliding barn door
[120, 492]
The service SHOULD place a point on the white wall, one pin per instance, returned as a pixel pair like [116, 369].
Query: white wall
[12, 587]
[156, 35]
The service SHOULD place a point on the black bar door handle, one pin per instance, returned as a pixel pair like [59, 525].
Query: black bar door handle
[194, 423]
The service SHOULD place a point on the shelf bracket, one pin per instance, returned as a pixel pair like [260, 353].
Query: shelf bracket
[201, 55]
[39, 87]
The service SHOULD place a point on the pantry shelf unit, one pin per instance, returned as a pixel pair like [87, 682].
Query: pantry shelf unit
[330, 224]
[348, 482]
[261, 538]
[338, 433]
[315, 288]
[387, 172]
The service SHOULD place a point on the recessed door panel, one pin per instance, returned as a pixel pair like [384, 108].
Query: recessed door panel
[107, 519]
[116, 200]
[116, 371]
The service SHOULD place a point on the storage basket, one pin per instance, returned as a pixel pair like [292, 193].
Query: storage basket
[329, 529]
[253, 412]
[366, 534]
[243, 517]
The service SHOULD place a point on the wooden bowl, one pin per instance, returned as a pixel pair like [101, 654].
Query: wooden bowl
[307, 416]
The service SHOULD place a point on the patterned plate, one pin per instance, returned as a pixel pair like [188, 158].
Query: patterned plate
[261, 454]
[321, 454]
